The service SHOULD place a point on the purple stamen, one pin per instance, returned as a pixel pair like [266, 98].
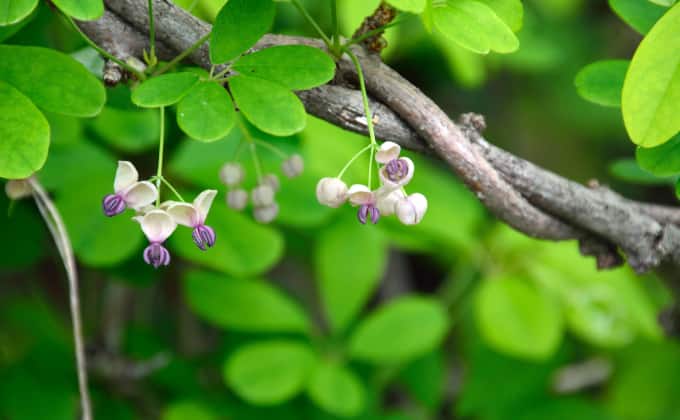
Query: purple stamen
[396, 169]
[155, 254]
[113, 204]
[204, 237]
[368, 211]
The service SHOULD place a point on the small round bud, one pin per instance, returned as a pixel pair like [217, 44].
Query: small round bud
[231, 174]
[293, 166]
[262, 195]
[331, 192]
[266, 214]
[17, 189]
[410, 210]
[237, 199]
[273, 181]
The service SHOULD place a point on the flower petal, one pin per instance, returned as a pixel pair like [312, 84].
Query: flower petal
[126, 175]
[202, 204]
[140, 194]
[393, 185]
[386, 200]
[360, 194]
[387, 152]
[183, 214]
[158, 225]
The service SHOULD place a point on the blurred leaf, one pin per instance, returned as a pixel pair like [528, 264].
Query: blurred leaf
[99, 165]
[465, 66]
[640, 15]
[245, 305]
[55, 82]
[651, 90]
[268, 106]
[129, 131]
[206, 113]
[23, 234]
[399, 331]
[350, 259]
[516, 319]
[64, 130]
[601, 82]
[425, 378]
[164, 90]
[243, 247]
[81, 9]
[25, 134]
[336, 389]
[413, 6]
[473, 25]
[188, 410]
[662, 161]
[13, 11]
[298, 205]
[23, 396]
[511, 11]
[566, 408]
[269, 372]
[297, 67]
[629, 170]
[238, 26]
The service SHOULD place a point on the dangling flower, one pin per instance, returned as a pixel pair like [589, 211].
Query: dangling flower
[362, 196]
[157, 225]
[194, 215]
[387, 152]
[231, 174]
[128, 192]
[266, 214]
[293, 166]
[410, 210]
[397, 173]
[386, 200]
[237, 199]
[262, 195]
[331, 192]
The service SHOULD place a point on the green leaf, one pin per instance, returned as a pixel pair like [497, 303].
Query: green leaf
[516, 319]
[345, 288]
[297, 67]
[425, 379]
[641, 15]
[164, 90]
[413, 6]
[601, 82]
[97, 163]
[664, 3]
[188, 410]
[238, 26]
[268, 106]
[130, 131]
[399, 331]
[630, 171]
[511, 11]
[270, 372]
[25, 134]
[81, 9]
[206, 113]
[336, 389]
[243, 247]
[662, 160]
[14, 11]
[244, 305]
[473, 25]
[651, 91]
[52, 80]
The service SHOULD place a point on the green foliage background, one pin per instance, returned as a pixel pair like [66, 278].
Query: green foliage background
[317, 316]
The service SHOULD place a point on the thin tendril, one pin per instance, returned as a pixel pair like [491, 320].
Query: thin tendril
[161, 145]
[253, 150]
[354, 158]
[272, 148]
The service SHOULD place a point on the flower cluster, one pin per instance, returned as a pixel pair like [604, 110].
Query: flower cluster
[390, 198]
[159, 221]
[263, 196]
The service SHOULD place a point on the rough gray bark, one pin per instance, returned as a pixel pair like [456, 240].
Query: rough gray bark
[530, 199]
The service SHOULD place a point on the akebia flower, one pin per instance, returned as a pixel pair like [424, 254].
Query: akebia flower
[386, 200]
[266, 214]
[237, 199]
[331, 192]
[293, 166]
[157, 225]
[128, 192]
[367, 200]
[410, 210]
[387, 152]
[397, 173]
[194, 215]
[231, 174]
[262, 195]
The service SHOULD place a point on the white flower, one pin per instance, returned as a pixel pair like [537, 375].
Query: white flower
[231, 174]
[397, 173]
[362, 196]
[262, 195]
[387, 151]
[273, 181]
[128, 192]
[266, 214]
[293, 166]
[194, 215]
[237, 199]
[386, 200]
[410, 210]
[331, 192]
[157, 225]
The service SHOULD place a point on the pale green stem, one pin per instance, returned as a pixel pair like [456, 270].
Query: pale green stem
[354, 158]
[312, 22]
[184, 54]
[161, 145]
[253, 150]
[280, 153]
[152, 34]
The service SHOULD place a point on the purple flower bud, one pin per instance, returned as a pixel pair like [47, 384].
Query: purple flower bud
[204, 237]
[113, 204]
[156, 255]
[396, 169]
[368, 211]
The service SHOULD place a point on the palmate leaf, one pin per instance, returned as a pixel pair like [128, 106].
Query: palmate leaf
[81, 9]
[602, 82]
[336, 389]
[164, 90]
[206, 113]
[641, 15]
[238, 26]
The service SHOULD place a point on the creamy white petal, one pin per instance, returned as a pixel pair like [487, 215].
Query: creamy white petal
[386, 200]
[126, 175]
[140, 194]
[392, 185]
[184, 214]
[158, 225]
[331, 192]
[387, 151]
[411, 210]
[203, 202]
[360, 194]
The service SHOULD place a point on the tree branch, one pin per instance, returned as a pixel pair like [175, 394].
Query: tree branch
[530, 199]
